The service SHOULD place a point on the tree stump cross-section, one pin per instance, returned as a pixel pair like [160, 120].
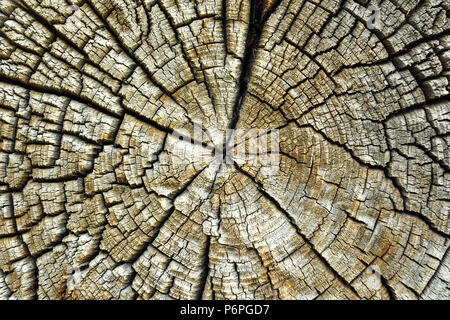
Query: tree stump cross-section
[224, 149]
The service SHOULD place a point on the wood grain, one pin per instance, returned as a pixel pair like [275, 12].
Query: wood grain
[100, 199]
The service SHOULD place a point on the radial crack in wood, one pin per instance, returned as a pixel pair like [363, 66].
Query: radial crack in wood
[232, 149]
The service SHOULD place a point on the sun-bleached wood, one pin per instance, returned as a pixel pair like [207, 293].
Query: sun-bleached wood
[98, 202]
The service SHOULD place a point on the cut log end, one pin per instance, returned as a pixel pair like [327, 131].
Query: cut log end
[235, 149]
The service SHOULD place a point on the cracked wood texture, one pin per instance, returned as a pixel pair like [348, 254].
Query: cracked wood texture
[93, 205]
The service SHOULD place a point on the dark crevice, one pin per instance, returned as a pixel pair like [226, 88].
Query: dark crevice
[253, 36]
[57, 92]
[205, 275]
[269, 10]
[224, 28]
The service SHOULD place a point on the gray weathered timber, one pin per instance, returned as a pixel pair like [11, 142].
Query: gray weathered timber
[100, 196]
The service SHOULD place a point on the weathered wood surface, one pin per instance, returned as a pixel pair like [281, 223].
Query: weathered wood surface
[92, 204]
